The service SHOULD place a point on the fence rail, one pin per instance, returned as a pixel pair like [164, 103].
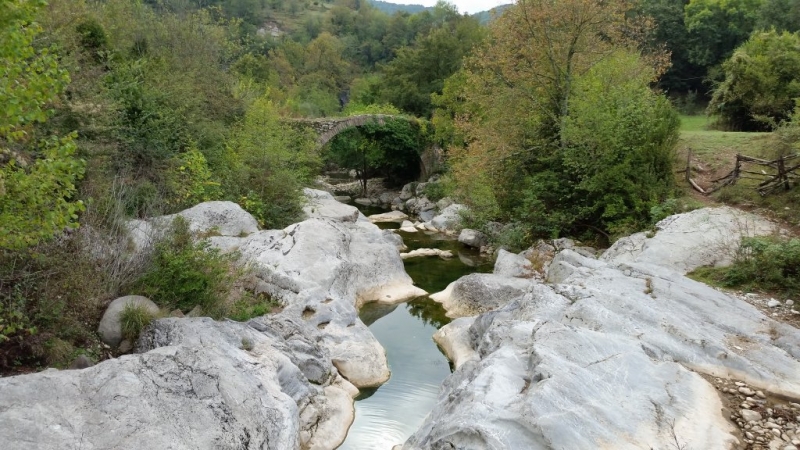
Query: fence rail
[774, 174]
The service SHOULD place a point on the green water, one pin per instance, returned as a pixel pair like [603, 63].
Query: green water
[389, 414]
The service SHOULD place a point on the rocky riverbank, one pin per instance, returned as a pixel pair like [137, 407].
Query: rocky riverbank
[280, 381]
[612, 352]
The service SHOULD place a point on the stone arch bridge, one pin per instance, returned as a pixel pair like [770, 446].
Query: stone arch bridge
[327, 128]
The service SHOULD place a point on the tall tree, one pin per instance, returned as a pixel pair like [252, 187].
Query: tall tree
[762, 82]
[549, 69]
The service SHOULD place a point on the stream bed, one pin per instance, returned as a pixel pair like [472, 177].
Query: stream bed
[388, 415]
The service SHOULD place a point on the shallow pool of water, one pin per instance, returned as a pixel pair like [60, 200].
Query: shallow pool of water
[388, 415]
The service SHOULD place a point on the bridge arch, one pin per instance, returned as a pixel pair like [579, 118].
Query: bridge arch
[327, 128]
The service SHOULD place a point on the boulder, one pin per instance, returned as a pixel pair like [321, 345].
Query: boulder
[386, 198]
[472, 238]
[322, 270]
[393, 216]
[427, 215]
[408, 227]
[606, 356]
[323, 204]
[407, 192]
[219, 218]
[420, 189]
[444, 203]
[423, 204]
[684, 242]
[449, 220]
[199, 384]
[479, 292]
[511, 265]
[110, 328]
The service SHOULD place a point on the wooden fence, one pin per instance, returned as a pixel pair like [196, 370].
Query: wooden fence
[772, 175]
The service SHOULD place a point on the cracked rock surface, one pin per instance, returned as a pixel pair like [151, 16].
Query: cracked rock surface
[281, 381]
[195, 386]
[608, 354]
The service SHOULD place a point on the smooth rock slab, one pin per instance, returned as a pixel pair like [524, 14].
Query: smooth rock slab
[606, 356]
[201, 389]
[392, 216]
[684, 242]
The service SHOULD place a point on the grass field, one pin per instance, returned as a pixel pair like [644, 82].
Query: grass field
[713, 156]
[715, 150]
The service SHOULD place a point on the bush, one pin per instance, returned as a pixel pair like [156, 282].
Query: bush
[185, 273]
[767, 263]
[435, 191]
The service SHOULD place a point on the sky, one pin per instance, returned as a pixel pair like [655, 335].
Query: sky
[464, 6]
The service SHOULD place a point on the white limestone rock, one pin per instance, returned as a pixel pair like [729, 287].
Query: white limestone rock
[684, 242]
[393, 216]
[323, 204]
[197, 386]
[606, 356]
[472, 238]
[449, 219]
[219, 218]
[478, 293]
[512, 265]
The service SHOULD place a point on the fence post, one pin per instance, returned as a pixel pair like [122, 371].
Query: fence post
[782, 176]
[688, 164]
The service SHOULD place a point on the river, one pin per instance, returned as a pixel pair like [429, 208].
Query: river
[388, 415]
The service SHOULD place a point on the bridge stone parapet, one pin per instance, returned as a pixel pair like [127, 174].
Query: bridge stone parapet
[328, 127]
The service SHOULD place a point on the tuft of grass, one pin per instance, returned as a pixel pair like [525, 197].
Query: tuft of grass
[251, 305]
[134, 319]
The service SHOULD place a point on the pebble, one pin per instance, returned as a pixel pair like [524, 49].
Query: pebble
[789, 302]
[750, 416]
[749, 435]
[760, 394]
[746, 391]
[772, 303]
[740, 384]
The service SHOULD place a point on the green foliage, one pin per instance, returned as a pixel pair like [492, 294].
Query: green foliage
[716, 27]
[390, 149]
[185, 273]
[762, 81]
[672, 206]
[37, 176]
[191, 182]
[267, 163]
[435, 191]
[420, 69]
[765, 263]
[250, 306]
[133, 319]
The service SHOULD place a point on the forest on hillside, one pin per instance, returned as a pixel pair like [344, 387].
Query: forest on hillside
[558, 118]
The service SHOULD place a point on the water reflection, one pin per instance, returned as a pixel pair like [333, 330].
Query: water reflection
[388, 415]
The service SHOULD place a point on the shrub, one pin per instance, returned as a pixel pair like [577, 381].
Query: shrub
[767, 263]
[185, 273]
[435, 191]
[133, 320]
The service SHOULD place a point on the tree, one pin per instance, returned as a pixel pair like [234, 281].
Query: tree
[717, 27]
[549, 70]
[390, 149]
[420, 69]
[37, 176]
[782, 15]
[762, 81]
